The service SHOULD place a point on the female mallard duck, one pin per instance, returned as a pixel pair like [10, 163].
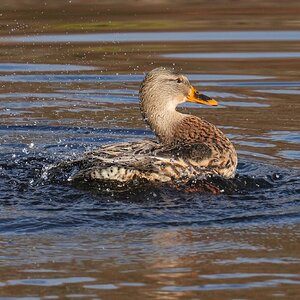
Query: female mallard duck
[189, 147]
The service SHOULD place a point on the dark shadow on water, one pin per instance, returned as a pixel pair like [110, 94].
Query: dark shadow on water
[136, 190]
[40, 205]
[62, 173]
[32, 172]
[260, 192]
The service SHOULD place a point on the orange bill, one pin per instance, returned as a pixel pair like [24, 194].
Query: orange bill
[195, 96]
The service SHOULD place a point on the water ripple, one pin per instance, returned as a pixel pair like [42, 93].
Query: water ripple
[19, 67]
[115, 78]
[157, 37]
[234, 55]
[231, 286]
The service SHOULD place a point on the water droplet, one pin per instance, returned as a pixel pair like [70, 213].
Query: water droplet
[25, 150]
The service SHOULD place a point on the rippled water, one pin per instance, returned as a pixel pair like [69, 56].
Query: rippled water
[69, 83]
[159, 37]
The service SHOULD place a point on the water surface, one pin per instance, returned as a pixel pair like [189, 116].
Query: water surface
[69, 80]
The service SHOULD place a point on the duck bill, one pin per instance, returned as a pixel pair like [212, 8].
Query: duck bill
[195, 96]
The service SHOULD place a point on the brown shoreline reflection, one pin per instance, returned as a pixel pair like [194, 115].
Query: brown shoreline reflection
[181, 263]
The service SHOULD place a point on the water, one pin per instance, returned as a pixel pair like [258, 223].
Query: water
[66, 90]
[158, 37]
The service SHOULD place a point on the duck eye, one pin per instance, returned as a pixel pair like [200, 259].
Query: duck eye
[179, 80]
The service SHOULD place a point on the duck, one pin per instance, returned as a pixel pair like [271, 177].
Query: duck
[186, 147]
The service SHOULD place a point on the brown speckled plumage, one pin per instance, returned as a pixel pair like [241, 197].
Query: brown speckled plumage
[223, 159]
[189, 147]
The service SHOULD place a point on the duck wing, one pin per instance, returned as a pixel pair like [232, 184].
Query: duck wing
[109, 162]
[196, 152]
[118, 165]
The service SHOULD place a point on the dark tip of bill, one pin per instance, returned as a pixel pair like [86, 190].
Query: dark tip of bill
[204, 97]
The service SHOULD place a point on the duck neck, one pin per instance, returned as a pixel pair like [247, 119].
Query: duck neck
[162, 119]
